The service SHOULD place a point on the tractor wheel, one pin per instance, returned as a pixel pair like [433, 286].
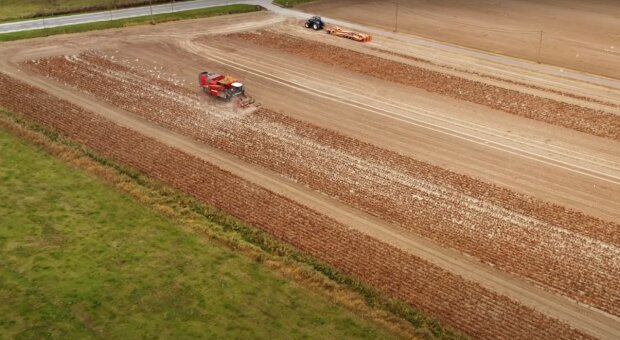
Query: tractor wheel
[316, 27]
[307, 25]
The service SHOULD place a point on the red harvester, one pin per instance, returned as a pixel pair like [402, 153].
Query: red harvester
[220, 85]
[225, 87]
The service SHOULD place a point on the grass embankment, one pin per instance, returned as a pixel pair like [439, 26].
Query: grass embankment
[205, 221]
[155, 19]
[290, 3]
[81, 259]
[12, 10]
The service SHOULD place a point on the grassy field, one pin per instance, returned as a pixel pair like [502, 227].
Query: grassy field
[80, 259]
[159, 18]
[27, 9]
[290, 3]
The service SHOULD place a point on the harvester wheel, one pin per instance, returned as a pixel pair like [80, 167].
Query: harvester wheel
[307, 25]
[316, 27]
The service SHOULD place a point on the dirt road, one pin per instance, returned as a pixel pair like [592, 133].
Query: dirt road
[575, 34]
[547, 163]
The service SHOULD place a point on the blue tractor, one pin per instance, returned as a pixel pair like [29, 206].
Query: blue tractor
[315, 23]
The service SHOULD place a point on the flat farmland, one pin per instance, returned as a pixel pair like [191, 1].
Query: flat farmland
[469, 195]
[575, 34]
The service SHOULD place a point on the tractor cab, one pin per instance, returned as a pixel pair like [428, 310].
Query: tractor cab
[315, 22]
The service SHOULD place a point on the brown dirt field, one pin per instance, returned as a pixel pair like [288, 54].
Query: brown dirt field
[417, 171]
[580, 35]
[453, 210]
[454, 300]
[582, 119]
[378, 97]
[159, 46]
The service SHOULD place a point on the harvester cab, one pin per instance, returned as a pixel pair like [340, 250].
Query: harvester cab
[237, 88]
[315, 23]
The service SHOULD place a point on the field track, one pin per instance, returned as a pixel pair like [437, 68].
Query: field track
[341, 167]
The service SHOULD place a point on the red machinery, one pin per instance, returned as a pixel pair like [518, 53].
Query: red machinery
[219, 85]
[339, 32]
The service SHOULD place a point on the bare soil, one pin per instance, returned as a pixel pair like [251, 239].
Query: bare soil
[582, 119]
[516, 214]
[580, 35]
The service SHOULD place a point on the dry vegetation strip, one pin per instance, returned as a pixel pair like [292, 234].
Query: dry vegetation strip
[464, 304]
[595, 122]
[572, 253]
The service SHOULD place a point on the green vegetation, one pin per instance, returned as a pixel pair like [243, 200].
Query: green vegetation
[159, 18]
[28, 9]
[290, 3]
[80, 259]
[216, 225]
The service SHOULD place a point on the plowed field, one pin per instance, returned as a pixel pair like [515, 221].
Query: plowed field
[448, 296]
[582, 119]
[568, 251]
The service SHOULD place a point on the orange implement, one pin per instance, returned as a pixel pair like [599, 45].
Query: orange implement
[339, 32]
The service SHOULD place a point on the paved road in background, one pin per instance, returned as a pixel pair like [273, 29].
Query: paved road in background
[66, 20]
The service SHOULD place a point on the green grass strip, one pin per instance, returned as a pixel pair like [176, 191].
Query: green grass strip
[290, 3]
[19, 10]
[118, 23]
